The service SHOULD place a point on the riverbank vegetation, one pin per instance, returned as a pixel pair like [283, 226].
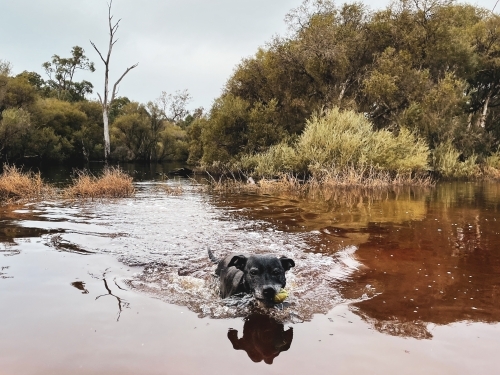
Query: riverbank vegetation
[422, 70]
[50, 120]
[20, 185]
[349, 95]
[111, 183]
[341, 147]
[16, 184]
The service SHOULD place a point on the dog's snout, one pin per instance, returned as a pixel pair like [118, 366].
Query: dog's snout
[269, 292]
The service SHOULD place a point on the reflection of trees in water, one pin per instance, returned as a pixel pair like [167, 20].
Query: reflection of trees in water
[395, 327]
[340, 207]
[263, 338]
[441, 269]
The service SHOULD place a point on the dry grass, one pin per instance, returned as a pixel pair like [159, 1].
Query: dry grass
[491, 166]
[16, 185]
[265, 186]
[491, 173]
[320, 183]
[112, 183]
[368, 177]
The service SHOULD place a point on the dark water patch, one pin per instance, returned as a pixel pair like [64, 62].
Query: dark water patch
[429, 256]
[9, 227]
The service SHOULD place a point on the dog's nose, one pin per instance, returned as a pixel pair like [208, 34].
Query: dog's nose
[269, 292]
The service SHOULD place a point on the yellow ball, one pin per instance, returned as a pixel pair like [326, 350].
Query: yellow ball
[281, 296]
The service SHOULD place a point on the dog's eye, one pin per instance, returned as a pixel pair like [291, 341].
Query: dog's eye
[276, 272]
[254, 272]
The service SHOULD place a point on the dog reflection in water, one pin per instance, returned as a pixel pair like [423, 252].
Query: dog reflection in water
[263, 338]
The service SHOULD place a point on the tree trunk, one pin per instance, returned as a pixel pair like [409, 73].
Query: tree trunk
[342, 91]
[484, 114]
[107, 144]
[469, 120]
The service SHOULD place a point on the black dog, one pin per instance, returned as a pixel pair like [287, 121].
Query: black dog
[261, 275]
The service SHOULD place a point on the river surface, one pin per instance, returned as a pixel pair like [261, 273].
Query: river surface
[399, 281]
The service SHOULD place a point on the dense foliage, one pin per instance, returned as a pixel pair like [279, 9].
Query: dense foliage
[52, 121]
[426, 67]
[422, 71]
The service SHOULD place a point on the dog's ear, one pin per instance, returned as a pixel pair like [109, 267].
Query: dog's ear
[238, 261]
[287, 263]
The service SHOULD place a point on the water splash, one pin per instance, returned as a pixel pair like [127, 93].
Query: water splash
[167, 237]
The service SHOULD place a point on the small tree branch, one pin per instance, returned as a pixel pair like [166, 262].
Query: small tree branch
[100, 99]
[117, 82]
[102, 58]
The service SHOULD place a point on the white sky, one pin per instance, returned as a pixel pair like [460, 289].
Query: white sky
[179, 44]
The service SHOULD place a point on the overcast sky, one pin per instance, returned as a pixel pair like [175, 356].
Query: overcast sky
[179, 44]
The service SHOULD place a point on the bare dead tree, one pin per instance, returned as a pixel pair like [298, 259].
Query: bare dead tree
[105, 99]
[173, 106]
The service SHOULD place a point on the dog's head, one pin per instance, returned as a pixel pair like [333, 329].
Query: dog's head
[263, 275]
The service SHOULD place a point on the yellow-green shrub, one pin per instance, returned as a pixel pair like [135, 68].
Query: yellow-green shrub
[447, 163]
[280, 158]
[336, 141]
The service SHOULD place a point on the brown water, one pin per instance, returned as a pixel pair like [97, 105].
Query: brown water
[401, 281]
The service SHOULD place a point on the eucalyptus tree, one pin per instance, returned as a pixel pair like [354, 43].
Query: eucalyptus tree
[107, 98]
[61, 72]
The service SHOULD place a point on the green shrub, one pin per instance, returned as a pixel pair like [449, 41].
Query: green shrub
[446, 161]
[335, 141]
[338, 139]
[493, 161]
[279, 159]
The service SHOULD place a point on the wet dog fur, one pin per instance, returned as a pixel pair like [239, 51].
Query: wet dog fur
[260, 275]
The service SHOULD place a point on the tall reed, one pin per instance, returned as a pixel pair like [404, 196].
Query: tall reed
[112, 183]
[18, 185]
